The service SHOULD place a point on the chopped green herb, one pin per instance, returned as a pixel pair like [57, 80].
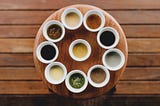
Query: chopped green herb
[76, 80]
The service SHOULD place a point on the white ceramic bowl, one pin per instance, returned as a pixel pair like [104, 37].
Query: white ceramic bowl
[70, 10]
[122, 61]
[47, 73]
[102, 84]
[114, 31]
[74, 90]
[76, 42]
[97, 12]
[46, 26]
[38, 52]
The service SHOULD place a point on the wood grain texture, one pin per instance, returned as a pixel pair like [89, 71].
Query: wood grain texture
[16, 60]
[141, 73]
[37, 17]
[20, 31]
[56, 4]
[37, 87]
[23, 87]
[29, 31]
[142, 87]
[94, 59]
[25, 45]
[14, 45]
[19, 74]
[30, 74]
[21, 19]
[135, 59]
[142, 31]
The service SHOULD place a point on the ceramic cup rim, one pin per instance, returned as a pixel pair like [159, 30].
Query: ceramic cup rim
[38, 52]
[46, 26]
[74, 90]
[114, 31]
[116, 67]
[76, 42]
[102, 84]
[97, 12]
[70, 10]
[47, 70]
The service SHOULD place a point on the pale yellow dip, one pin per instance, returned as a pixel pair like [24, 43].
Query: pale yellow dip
[56, 73]
[72, 19]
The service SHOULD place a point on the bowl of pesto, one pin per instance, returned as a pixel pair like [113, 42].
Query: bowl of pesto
[76, 81]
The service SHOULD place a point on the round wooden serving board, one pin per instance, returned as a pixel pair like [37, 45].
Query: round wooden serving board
[95, 57]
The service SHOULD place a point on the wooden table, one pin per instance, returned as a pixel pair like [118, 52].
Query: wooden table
[20, 84]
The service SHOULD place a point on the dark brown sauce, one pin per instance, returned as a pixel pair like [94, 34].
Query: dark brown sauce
[54, 31]
[93, 21]
[107, 38]
[48, 52]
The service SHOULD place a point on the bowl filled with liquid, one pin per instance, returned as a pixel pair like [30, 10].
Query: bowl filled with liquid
[47, 52]
[72, 18]
[98, 76]
[108, 37]
[55, 73]
[113, 59]
[94, 20]
[80, 50]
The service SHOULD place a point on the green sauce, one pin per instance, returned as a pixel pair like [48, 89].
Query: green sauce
[76, 80]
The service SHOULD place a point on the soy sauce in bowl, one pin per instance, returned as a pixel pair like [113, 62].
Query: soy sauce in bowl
[48, 52]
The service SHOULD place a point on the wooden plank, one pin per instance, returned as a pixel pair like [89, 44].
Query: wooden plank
[23, 17]
[138, 87]
[19, 73]
[140, 31]
[29, 73]
[141, 73]
[37, 17]
[136, 17]
[142, 60]
[104, 100]
[143, 45]
[16, 60]
[23, 87]
[18, 31]
[56, 4]
[26, 45]
[37, 87]
[16, 45]
[29, 31]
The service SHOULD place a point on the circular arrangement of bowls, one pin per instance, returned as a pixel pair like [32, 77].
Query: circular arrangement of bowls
[80, 51]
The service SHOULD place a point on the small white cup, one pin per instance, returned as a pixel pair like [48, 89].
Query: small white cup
[102, 84]
[96, 12]
[47, 25]
[71, 10]
[47, 73]
[77, 42]
[114, 31]
[38, 52]
[76, 90]
[119, 53]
